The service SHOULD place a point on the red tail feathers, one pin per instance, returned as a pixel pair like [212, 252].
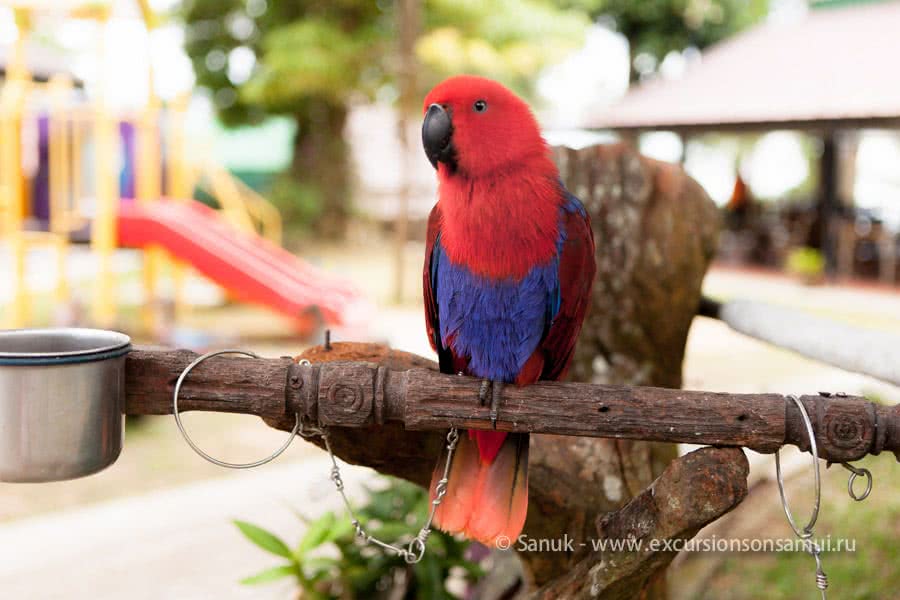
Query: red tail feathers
[487, 491]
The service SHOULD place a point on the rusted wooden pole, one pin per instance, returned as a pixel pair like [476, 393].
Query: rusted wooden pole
[359, 394]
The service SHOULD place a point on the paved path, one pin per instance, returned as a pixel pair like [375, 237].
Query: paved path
[174, 544]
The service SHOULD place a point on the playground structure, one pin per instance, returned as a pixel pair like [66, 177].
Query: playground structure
[127, 180]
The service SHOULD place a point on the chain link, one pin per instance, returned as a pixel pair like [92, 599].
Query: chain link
[415, 550]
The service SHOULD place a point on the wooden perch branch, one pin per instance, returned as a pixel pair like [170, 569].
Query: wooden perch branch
[693, 491]
[359, 394]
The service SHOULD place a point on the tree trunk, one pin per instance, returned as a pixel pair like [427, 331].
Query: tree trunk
[321, 162]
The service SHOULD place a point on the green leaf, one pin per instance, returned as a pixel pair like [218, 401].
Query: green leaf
[343, 528]
[270, 575]
[429, 578]
[393, 532]
[318, 566]
[318, 533]
[264, 539]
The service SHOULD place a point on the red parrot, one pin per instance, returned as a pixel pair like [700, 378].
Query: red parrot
[509, 266]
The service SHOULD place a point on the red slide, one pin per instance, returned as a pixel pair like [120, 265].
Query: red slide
[248, 266]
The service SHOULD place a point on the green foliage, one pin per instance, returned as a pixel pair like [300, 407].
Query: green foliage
[313, 57]
[330, 562]
[270, 575]
[868, 572]
[343, 49]
[299, 202]
[807, 263]
[265, 540]
[507, 40]
[876, 397]
[301, 50]
[339, 50]
[656, 27]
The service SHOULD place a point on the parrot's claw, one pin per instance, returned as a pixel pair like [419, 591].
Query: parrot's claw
[495, 402]
[495, 388]
[483, 392]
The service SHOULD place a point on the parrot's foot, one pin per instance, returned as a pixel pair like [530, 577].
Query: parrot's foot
[496, 391]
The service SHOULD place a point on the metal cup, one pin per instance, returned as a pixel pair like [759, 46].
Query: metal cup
[62, 395]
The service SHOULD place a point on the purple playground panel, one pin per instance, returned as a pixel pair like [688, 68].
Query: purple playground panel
[40, 188]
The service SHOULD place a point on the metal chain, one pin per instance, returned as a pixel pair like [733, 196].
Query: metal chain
[415, 550]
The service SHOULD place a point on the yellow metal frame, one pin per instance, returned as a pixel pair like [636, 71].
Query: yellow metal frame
[179, 187]
[241, 205]
[63, 211]
[264, 213]
[148, 191]
[64, 178]
[12, 191]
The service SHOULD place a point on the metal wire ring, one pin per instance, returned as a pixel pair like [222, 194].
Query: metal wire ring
[415, 550]
[194, 446]
[806, 532]
[854, 473]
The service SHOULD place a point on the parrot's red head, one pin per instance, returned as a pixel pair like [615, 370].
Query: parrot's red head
[476, 127]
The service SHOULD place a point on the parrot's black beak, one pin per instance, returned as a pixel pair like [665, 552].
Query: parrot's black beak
[437, 136]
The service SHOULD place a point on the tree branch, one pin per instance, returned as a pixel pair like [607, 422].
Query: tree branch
[693, 491]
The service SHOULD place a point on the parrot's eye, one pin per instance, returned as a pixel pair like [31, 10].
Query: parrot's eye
[480, 106]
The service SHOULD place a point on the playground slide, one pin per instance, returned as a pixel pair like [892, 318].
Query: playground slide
[251, 268]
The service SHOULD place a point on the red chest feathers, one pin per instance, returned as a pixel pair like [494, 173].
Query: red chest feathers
[500, 227]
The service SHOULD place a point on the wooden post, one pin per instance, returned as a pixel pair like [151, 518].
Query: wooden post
[887, 256]
[827, 201]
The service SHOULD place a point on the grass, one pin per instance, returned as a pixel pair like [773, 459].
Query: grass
[871, 572]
